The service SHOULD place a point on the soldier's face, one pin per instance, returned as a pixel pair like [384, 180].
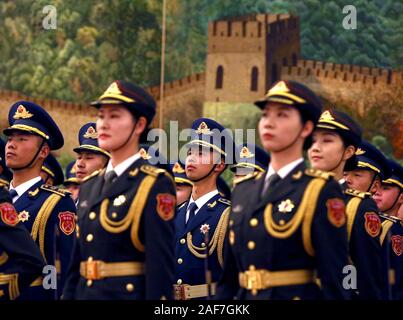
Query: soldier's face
[87, 163]
[280, 127]
[114, 126]
[359, 180]
[386, 197]
[21, 148]
[327, 150]
[199, 162]
[183, 192]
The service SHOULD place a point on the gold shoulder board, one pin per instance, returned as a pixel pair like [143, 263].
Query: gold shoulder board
[246, 178]
[357, 193]
[53, 189]
[95, 173]
[319, 174]
[225, 201]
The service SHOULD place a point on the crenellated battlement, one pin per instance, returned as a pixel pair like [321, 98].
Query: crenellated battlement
[343, 72]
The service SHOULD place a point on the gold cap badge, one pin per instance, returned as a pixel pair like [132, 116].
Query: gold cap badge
[22, 113]
[178, 168]
[203, 129]
[91, 133]
[245, 153]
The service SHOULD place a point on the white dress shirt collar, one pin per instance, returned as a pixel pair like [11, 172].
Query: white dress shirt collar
[122, 167]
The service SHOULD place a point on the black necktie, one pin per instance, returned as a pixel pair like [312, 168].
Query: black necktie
[109, 179]
[270, 183]
[192, 208]
[13, 194]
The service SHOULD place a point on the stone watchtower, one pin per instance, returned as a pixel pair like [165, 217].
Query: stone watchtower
[245, 55]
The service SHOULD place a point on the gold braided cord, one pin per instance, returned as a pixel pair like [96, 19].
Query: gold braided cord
[12, 281]
[221, 236]
[136, 210]
[39, 226]
[317, 185]
[218, 236]
[386, 225]
[351, 211]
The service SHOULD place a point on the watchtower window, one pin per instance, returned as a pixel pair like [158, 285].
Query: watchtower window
[254, 79]
[219, 77]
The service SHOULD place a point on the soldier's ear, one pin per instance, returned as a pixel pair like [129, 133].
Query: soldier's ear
[349, 152]
[308, 129]
[44, 151]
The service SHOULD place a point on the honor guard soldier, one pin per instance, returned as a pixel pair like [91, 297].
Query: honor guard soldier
[21, 261]
[251, 160]
[52, 172]
[364, 223]
[201, 222]
[335, 140]
[124, 248]
[287, 234]
[71, 182]
[47, 212]
[389, 197]
[90, 157]
[183, 184]
[5, 174]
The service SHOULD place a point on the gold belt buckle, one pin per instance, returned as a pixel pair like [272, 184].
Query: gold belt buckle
[253, 280]
[180, 291]
[92, 270]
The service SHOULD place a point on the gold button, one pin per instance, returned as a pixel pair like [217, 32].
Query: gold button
[89, 283]
[253, 222]
[179, 281]
[90, 258]
[114, 215]
[130, 287]
[282, 222]
[93, 215]
[296, 298]
[231, 223]
[90, 237]
[163, 298]
[183, 241]
[180, 261]
[251, 245]
[231, 237]
[203, 244]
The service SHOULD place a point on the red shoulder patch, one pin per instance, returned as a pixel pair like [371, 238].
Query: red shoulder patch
[372, 224]
[335, 212]
[397, 244]
[166, 204]
[67, 222]
[8, 214]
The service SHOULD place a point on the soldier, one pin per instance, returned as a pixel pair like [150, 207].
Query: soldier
[364, 223]
[389, 198]
[47, 212]
[90, 157]
[335, 140]
[124, 247]
[5, 174]
[71, 182]
[201, 222]
[52, 172]
[252, 160]
[20, 259]
[287, 234]
[183, 184]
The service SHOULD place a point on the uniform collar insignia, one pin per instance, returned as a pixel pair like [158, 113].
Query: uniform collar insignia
[178, 168]
[33, 193]
[91, 133]
[297, 176]
[22, 113]
[144, 154]
[134, 172]
[203, 129]
[245, 153]
[286, 206]
[359, 152]
[212, 205]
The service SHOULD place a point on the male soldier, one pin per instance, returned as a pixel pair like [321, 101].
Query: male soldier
[251, 160]
[201, 222]
[183, 184]
[47, 212]
[20, 259]
[51, 171]
[364, 223]
[287, 229]
[71, 182]
[90, 157]
[389, 198]
[5, 174]
[124, 247]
